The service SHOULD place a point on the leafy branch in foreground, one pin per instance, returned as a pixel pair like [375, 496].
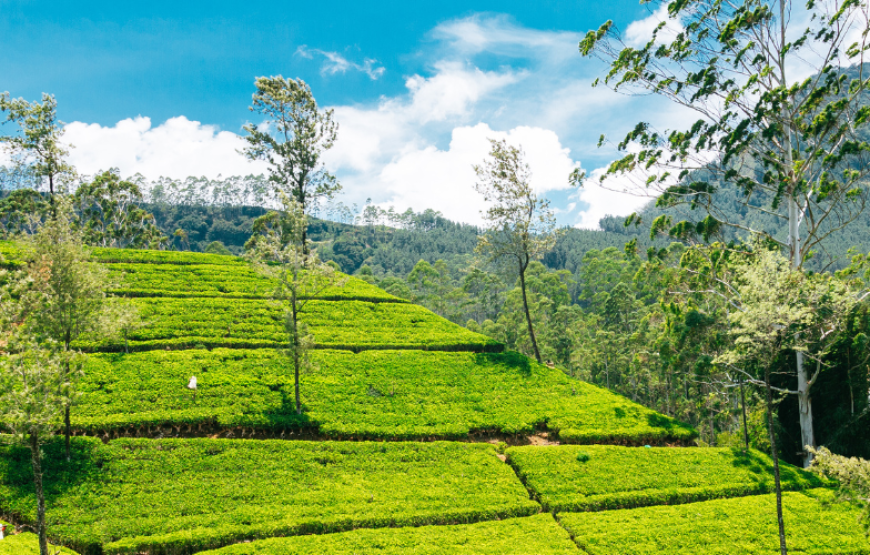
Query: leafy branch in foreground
[299, 276]
[795, 148]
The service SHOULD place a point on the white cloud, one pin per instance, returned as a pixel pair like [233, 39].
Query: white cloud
[176, 148]
[415, 149]
[444, 179]
[370, 137]
[336, 63]
[619, 196]
[639, 32]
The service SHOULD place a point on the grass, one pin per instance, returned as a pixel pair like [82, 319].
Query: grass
[539, 535]
[373, 394]
[574, 478]
[182, 496]
[178, 323]
[742, 526]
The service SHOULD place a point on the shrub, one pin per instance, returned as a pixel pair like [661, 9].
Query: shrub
[417, 394]
[349, 325]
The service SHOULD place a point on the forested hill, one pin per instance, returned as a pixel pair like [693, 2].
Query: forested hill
[387, 250]
[833, 255]
[393, 251]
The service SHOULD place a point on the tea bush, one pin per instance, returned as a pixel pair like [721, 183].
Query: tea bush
[213, 280]
[374, 394]
[246, 323]
[742, 526]
[538, 535]
[655, 476]
[186, 495]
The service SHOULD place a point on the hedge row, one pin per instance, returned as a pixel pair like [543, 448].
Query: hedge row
[13, 254]
[374, 394]
[538, 535]
[575, 478]
[213, 280]
[141, 256]
[180, 496]
[352, 325]
[743, 526]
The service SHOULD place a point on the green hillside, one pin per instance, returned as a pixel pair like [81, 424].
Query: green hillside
[394, 387]
[365, 468]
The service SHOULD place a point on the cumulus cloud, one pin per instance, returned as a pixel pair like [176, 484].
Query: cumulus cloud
[488, 78]
[176, 148]
[444, 179]
[370, 137]
[336, 63]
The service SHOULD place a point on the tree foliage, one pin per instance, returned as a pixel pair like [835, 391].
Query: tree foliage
[37, 142]
[292, 139]
[299, 275]
[110, 214]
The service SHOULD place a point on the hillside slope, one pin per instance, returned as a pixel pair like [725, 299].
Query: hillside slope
[386, 371]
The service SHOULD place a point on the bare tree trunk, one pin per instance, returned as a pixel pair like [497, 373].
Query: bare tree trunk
[743, 410]
[775, 454]
[528, 316]
[66, 424]
[40, 494]
[805, 406]
[67, 430]
[294, 315]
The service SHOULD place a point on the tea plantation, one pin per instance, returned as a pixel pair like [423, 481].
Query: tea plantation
[395, 450]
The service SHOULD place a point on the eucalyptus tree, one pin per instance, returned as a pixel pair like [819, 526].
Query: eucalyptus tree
[779, 93]
[299, 276]
[520, 227]
[37, 141]
[110, 214]
[292, 138]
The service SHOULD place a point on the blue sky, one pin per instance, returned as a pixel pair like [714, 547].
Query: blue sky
[162, 88]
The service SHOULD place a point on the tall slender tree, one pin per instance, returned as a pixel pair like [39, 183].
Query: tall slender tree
[298, 277]
[37, 141]
[520, 227]
[780, 91]
[292, 139]
[776, 308]
[34, 388]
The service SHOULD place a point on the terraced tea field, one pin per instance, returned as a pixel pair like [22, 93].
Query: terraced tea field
[366, 468]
